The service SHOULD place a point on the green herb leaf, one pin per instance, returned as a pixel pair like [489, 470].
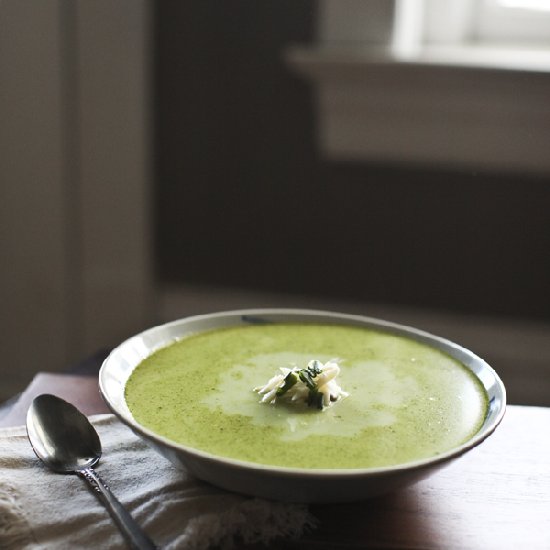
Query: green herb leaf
[307, 378]
[315, 399]
[290, 379]
[315, 368]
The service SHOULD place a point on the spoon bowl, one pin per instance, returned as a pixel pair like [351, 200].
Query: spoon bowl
[61, 436]
[64, 439]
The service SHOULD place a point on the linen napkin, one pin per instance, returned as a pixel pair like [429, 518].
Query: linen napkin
[43, 509]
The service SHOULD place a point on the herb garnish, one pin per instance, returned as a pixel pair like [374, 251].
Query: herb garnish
[315, 385]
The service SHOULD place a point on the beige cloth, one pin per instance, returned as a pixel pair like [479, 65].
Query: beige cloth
[42, 509]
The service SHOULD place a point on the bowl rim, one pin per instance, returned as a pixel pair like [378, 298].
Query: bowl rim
[495, 410]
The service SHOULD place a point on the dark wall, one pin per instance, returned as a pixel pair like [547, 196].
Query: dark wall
[244, 200]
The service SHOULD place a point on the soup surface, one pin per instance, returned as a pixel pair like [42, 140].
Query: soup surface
[407, 401]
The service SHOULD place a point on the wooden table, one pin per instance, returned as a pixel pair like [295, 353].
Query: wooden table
[497, 496]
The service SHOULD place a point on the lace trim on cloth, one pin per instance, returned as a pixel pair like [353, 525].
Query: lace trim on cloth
[15, 532]
[277, 520]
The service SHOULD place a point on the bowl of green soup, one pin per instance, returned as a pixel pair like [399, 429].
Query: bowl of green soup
[300, 405]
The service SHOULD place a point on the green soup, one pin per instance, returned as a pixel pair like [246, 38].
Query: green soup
[407, 401]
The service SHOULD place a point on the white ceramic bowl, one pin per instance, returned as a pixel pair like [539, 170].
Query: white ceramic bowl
[298, 485]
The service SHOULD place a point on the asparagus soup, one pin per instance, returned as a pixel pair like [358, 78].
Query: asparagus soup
[394, 400]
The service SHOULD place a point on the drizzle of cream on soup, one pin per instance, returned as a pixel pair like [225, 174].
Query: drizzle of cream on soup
[407, 401]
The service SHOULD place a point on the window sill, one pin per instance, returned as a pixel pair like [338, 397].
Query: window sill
[471, 107]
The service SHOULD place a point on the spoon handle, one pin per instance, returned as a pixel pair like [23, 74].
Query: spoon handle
[131, 531]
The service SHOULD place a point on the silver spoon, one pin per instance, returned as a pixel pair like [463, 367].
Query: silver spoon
[63, 438]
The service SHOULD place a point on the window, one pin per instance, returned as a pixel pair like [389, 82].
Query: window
[421, 26]
[513, 21]
[458, 82]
